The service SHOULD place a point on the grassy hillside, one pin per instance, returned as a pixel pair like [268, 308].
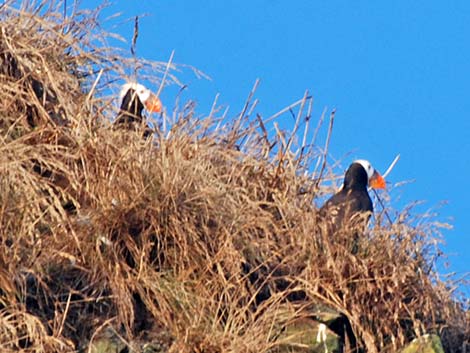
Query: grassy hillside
[204, 238]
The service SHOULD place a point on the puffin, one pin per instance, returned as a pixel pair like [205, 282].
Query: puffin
[134, 98]
[352, 202]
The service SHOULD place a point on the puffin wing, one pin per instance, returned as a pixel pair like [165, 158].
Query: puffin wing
[345, 209]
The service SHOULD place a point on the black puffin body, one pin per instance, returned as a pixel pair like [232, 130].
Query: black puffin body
[353, 201]
[349, 210]
[131, 109]
[134, 98]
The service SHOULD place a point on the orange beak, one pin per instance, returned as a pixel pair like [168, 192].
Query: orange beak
[377, 181]
[153, 104]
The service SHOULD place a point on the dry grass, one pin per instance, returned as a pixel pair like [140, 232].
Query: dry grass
[202, 232]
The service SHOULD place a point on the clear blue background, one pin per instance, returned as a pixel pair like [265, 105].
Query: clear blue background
[398, 73]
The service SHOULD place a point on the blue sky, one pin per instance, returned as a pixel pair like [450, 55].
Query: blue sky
[398, 73]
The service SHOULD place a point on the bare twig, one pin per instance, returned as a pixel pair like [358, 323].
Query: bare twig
[392, 165]
[214, 106]
[167, 69]
[282, 111]
[384, 209]
[297, 121]
[93, 87]
[325, 149]
[135, 36]
[307, 124]
[247, 104]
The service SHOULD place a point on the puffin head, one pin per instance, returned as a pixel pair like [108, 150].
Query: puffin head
[361, 174]
[135, 90]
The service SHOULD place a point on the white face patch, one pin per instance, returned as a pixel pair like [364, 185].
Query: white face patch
[142, 92]
[367, 167]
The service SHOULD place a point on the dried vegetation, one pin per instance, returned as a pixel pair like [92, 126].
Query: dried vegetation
[204, 237]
